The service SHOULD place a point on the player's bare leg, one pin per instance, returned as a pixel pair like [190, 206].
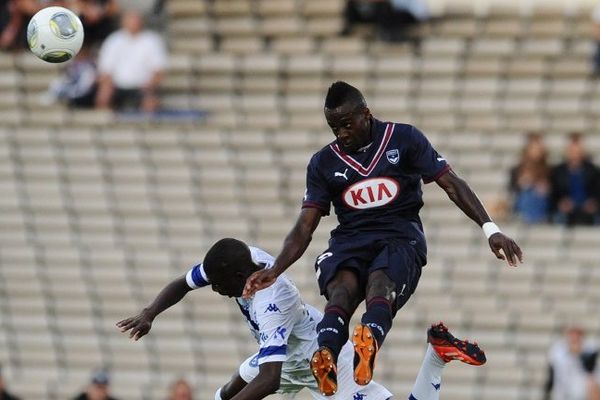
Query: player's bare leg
[443, 347]
[344, 297]
[375, 324]
[231, 388]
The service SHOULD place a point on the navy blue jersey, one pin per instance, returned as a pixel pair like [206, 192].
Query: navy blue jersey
[378, 188]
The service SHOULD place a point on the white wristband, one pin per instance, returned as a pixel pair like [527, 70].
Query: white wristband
[489, 228]
[218, 395]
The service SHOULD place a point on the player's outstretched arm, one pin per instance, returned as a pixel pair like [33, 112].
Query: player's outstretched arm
[141, 324]
[294, 246]
[463, 196]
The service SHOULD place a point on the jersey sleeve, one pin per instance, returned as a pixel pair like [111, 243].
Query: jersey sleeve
[424, 159]
[316, 195]
[259, 256]
[196, 277]
[275, 318]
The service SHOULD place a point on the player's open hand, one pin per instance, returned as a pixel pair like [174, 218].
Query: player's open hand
[259, 280]
[137, 326]
[512, 252]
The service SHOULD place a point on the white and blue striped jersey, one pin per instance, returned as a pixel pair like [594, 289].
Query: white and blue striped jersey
[283, 326]
[285, 329]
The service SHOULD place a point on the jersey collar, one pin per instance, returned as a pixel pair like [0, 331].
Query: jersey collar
[357, 166]
[364, 148]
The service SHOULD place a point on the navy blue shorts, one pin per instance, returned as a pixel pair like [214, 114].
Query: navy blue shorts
[398, 258]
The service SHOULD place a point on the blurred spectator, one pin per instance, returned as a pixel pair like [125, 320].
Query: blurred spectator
[359, 12]
[529, 182]
[98, 388]
[99, 18]
[180, 390]
[391, 17]
[575, 186]
[14, 17]
[153, 12]
[415, 10]
[78, 84]
[596, 59]
[131, 64]
[6, 17]
[572, 372]
[4, 393]
[158, 7]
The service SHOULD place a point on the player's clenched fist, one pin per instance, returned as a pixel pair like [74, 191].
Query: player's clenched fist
[137, 326]
[512, 252]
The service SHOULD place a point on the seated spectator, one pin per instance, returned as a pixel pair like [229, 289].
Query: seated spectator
[7, 24]
[4, 393]
[529, 182]
[77, 85]
[418, 9]
[131, 65]
[98, 388]
[572, 370]
[575, 186]
[392, 18]
[357, 12]
[180, 390]
[14, 17]
[596, 58]
[99, 18]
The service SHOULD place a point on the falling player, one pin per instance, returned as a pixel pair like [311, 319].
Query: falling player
[285, 329]
[371, 173]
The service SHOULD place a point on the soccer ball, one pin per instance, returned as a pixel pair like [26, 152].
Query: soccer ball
[55, 34]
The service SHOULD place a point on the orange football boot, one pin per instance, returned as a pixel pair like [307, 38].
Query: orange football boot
[322, 365]
[365, 350]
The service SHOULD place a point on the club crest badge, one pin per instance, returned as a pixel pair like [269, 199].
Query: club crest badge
[393, 156]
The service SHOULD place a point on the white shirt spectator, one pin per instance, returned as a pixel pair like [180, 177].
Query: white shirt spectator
[418, 8]
[569, 375]
[596, 14]
[131, 60]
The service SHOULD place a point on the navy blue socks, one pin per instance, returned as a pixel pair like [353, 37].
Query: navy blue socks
[333, 329]
[378, 317]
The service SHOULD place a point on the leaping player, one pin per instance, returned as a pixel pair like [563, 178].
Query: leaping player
[372, 174]
[285, 329]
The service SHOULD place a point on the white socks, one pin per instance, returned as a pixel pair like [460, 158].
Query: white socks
[429, 380]
[218, 394]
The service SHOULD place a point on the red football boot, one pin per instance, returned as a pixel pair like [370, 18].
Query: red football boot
[450, 348]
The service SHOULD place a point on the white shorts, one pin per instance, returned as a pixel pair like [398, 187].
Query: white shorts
[294, 381]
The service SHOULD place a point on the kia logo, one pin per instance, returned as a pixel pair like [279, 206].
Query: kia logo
[369, 193]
